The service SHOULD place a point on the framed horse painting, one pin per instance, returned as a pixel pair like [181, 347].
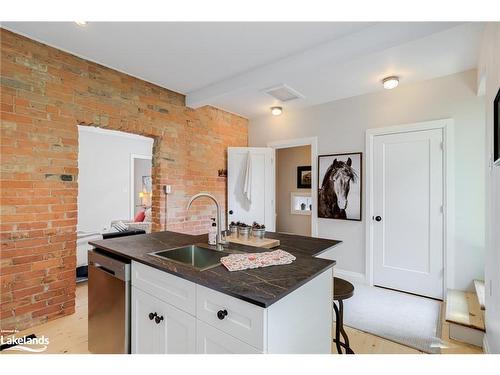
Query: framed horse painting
[339, 186]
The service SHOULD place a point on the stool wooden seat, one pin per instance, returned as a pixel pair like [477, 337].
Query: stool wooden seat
[342, 290]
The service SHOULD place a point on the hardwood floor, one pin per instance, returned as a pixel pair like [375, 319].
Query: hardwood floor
[456, 347]
[69, 335]
[365, 343]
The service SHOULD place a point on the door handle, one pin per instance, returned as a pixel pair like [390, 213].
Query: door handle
[102, 268]
[221, 314]
[230, 212]
[377, 218]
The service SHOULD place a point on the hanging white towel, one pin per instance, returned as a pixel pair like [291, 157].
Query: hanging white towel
[247, 186]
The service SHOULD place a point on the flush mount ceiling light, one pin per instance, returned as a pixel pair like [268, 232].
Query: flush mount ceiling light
[81, 23]
[390, 82]
[276, 111]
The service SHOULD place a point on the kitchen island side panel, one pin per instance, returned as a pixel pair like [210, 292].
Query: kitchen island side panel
[301, 323]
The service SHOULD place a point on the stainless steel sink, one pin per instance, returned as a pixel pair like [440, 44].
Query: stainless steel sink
[197, 256]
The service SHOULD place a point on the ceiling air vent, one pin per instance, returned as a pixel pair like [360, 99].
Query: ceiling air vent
[283, 93]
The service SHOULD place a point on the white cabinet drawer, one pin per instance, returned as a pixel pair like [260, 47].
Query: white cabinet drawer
[169, 288]
[210, 340]
[243, 321]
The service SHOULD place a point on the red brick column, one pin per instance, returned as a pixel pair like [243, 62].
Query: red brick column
[45, 93]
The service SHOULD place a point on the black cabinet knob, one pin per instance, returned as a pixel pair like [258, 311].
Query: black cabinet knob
[158, 319]
[378, 218]
[230, 212]
[152, 316]
[221, 314]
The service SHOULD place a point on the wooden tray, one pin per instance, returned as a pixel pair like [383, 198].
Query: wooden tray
[267, 243]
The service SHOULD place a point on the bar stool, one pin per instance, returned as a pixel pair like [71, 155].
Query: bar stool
[342, 290]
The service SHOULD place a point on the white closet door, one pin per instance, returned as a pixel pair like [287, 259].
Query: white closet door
[408, 227]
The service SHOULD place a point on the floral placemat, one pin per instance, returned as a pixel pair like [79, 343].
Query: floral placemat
[238, 262]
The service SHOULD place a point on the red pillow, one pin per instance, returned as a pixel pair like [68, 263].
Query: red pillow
[139, 217]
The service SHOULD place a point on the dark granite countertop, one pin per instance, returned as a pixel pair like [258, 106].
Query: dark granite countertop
[260, 286]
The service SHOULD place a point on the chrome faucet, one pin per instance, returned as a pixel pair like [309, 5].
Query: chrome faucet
[219, 241]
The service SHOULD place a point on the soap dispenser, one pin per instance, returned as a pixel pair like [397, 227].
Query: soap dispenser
[212, 233]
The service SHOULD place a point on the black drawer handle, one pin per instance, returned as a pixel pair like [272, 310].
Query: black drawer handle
[158, 319]
[221, 314]
[152, 316]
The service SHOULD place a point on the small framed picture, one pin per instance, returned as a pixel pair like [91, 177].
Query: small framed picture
[301, 203]
[147, 184]
[304, 177]
[339, 186]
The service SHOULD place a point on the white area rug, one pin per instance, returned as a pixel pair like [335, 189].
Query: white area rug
[403, 318]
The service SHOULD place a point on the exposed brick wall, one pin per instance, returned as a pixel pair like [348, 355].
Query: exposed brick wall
[45, 93]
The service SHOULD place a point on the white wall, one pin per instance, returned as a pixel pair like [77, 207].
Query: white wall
[340, 127]
[489, 73]
[104, 175]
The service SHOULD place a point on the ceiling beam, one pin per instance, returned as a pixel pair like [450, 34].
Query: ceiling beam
[372, 39]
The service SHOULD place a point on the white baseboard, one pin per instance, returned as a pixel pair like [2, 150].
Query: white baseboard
[486, 348]
[352, 277]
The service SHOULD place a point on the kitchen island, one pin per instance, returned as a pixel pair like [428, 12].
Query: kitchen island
[176, 308]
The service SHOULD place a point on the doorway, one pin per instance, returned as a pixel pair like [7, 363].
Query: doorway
[293, 190]
[408, 207]
[140, 184]
[105, 179]
[312, 144]
[106, 182]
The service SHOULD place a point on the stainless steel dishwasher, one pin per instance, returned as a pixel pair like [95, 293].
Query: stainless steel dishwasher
[109, 304]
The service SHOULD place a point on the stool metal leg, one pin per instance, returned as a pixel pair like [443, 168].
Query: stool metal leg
[348, 349]
[339, 329]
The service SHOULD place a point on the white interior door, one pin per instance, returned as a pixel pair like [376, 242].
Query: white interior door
[250, 197]
[408, 219]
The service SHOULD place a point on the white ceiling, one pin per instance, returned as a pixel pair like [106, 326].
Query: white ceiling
[228, 65]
